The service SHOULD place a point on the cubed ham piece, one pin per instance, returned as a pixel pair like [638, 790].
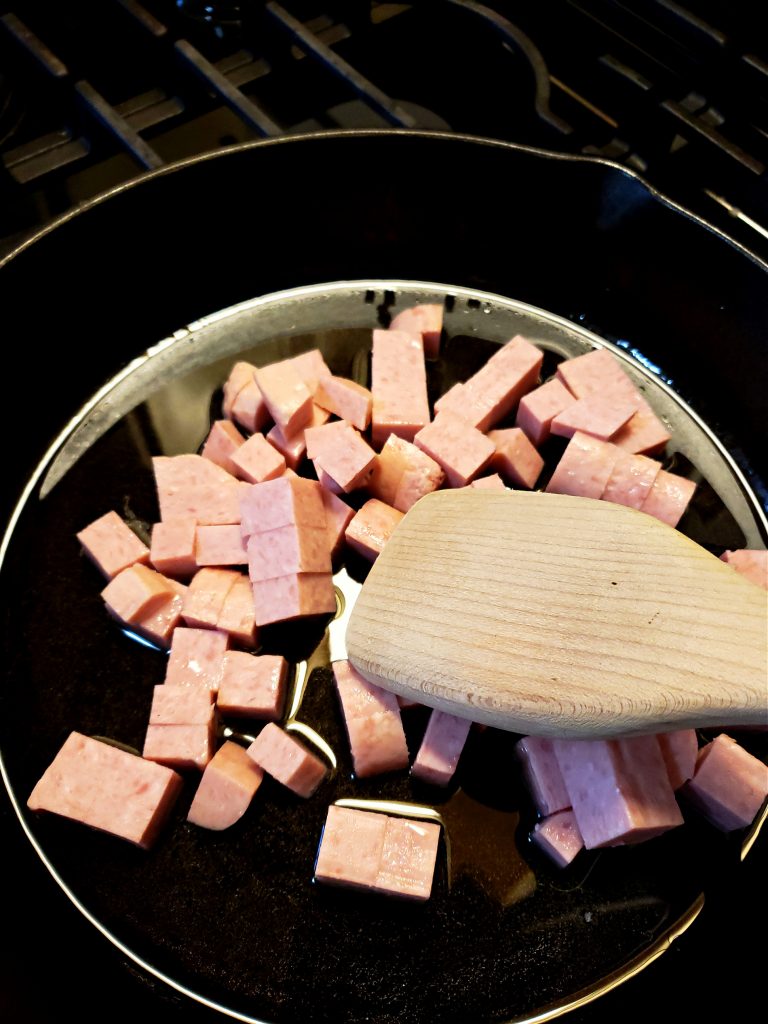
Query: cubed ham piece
[294, 449]
[327, 482]
[426, 320]
[378, 853]
[287, 397]
[457, 447]
[219, 545]
[346, 399]
[643, 433]
[240, 375]
[489, 483]
[398, 386]
[180, 746]
[237, 617]
[338, 516]
[585, 467]
[178, 705]
[206, 596]
[679, 750]
[228, 786]
[287, 760]
[599, 416]
[449, 399]
[257, 460]
[160, 624]
[191, 487]
[311, 367]
[137, 593]
[196, 659]
[668, 498]
[340, 450]
[494, 391]
[515, 457]
[729, 785]
[543, 775]
[173, 547]
[559, 837]
[223, 441]
[284, 501]
[374, 726]
[441, 748]
[243, 402]
[286, 550]
[619, 789]
[108, 789]
[539, 407]
[112, 545]
[371, 527]
[631, 480]
[253, 685]
[750, 562]
[293, 596]
[403, 473]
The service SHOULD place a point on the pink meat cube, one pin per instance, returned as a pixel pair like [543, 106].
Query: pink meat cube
[191, 487]
[598, 372]
[341, 452]
[180, 746]
[228, 785]
[159, 625]
[240, 375]
[449, 400]
[559, 837]
[287, 397]
[543, 775]
[403, 473]
[585, 467]
[253, 685]
[238, 615]
[293, 596]
[515, 457]
[668, 497]
[494, 391]
[294, 449]
[751, 563]
[287, 760]
[206, 595]
[456, 446]
[374, 726]
[644, 432]
[177, 705]
[282, 502]
[679, 750]
[338, 516]
[371, 527]
[196, 659]
[327, 482]
[489, 483]
[729, 785]
[223, 441]
[441, 748]
[286, 550]
[346, 399]
[257, 460]
[378, 853]
[597, 415]
[619, 789]
[219, 545]
[311, 367]
[173, 547]
[108, 789]
[631, 480]
[539, 407]
[137, 593]
[426, 320]
[112, 545]
[243, 402]
[398, 385]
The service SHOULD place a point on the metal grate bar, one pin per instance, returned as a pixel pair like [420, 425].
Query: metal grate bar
[369, 92]
[35, 47]
[144, 18]
[117, 125]
[242, 105]
[713, 136]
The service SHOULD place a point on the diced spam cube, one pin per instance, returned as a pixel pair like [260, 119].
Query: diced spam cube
[515, 457]
[441, 748]
[403, 473]
[457, 447]
[287, 397]
[559, 837]
[177, 705]
[243, 402]
[238, 615]
[585, 467]
[489, 483]
[597, 415]
[631, 480]
[293, 596]
[372, 719]
[136, 593]
[253, 685]
[371, 527]
[668, 498]
[228, 785]
[112, 545]
[398, 386]
[539, 407]
[338, 516]
[543, 775]
[196, 659]
[284, 501]
[257, 460]
[219, 545]
[597, 372]
[311, 367]
[191, 487]
[341, 452]
[287, 760]
[286, 550]
[222, 443]
[159, 625]
[679, 750]
[173, 547]
[751, 563]
[346, 399]
[426, 320]
[180, 746]
[644, 432]
[729, 785]
[206, 595]
[294, 449]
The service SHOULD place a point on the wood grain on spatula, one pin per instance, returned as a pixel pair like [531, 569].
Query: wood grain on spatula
[560, 616]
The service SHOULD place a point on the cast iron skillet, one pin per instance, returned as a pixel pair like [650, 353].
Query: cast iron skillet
[404, 216]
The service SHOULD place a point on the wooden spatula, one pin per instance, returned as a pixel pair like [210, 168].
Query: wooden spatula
[560, 616]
